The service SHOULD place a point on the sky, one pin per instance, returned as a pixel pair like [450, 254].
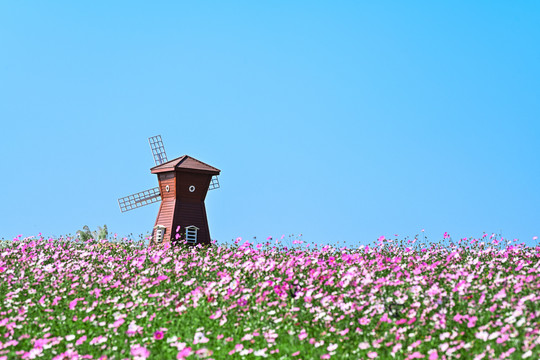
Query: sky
[342, 121]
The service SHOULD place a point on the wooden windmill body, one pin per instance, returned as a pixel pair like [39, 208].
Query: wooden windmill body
[183, 185]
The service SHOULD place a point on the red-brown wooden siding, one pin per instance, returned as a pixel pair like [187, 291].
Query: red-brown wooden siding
[164, 180]
[185, 179]
[192, 213]
[165, 216]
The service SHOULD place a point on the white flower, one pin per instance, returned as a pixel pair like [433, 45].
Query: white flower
[172, 339]
[482, 335]
[199, 338]
[261, 353]
[332, 347]
[526, 355]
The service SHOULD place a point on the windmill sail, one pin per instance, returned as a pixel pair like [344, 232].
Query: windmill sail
[214, 183]
[139, 199]
[158, 151]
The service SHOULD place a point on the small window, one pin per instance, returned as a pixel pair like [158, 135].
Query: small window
[191, 234]
[159, 234]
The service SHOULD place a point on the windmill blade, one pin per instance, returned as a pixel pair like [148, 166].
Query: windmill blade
[139, 199]
[214, 183]
[158, 151]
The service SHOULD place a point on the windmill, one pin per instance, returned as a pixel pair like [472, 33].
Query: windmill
[183, 184]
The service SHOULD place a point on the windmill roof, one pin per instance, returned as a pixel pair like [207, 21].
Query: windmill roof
[185, 162]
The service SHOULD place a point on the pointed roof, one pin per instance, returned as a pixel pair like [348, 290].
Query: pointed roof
[185, 162]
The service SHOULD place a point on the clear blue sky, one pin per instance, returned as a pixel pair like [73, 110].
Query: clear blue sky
[343, 121]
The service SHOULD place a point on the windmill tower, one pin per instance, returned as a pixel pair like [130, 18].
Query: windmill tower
[183, 184]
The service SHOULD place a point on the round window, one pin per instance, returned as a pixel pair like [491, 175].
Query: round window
[167, 188]
[192, 188]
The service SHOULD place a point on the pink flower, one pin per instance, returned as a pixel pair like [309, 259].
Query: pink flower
[70, 354]
[117, 323]
[133, 329]
[364, 321]
[185, 352]
[216, 315]
[158, 335]
[39, 343]
[502, 338]
[98, 340]
[96, 291]
[302, 335]
[73, 303]
[372, 355]
[433, 355]
[204, 352]
[296, 353]
[332, 347]
[140, 352]
[81, 340]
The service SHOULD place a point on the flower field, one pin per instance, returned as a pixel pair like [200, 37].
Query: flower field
[68, 299]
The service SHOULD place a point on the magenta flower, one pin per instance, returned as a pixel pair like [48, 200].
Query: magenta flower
[72, 304]
[158, 335]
